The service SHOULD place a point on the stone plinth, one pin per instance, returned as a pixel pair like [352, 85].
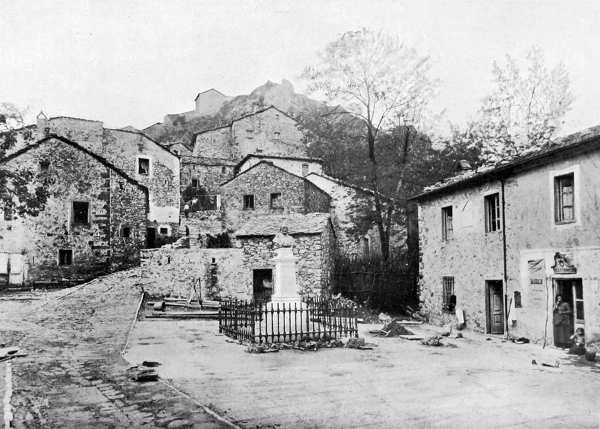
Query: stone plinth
[285, 288]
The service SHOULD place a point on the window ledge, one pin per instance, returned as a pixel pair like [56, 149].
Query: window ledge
[566, 222]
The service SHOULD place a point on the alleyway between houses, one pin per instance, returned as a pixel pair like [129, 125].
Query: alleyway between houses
[75, 377]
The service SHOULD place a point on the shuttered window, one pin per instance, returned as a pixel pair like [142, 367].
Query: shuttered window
[447, 223]
[492, 212]
[564, 198]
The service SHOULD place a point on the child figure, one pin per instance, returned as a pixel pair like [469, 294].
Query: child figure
[577, 342]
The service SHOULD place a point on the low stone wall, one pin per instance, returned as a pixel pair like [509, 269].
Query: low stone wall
[173, 272]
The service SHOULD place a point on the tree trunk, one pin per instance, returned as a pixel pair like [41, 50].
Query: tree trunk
[383, 234]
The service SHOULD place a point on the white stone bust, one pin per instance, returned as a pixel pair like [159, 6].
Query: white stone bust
[283, 239]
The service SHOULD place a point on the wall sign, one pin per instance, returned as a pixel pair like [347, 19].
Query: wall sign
[536, 269]
[563, 265]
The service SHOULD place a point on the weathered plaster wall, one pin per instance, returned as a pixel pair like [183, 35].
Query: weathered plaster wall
[172, 272]
[297, 195]
[97, 247]
[473, 256]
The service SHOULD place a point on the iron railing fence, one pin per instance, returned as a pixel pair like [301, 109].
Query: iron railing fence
[271, 322]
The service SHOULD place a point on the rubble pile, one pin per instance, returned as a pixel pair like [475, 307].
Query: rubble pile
[435, 341]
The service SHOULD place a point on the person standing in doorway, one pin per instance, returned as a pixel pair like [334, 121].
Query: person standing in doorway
[562, 322]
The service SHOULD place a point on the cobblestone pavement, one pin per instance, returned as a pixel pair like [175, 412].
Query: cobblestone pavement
[476, 383]
[74, 375]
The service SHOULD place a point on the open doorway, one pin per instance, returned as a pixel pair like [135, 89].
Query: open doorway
[151, 238]
[262, 282]
[494, 307]
[568, 313]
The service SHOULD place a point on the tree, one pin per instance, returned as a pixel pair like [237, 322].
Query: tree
[384, 83]
[18, 193]
[524, 110]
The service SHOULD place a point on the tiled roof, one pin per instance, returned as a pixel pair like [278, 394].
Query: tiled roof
[298, 224]
[587, 139]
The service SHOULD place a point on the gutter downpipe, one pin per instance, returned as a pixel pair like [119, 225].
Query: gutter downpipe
[505, 282]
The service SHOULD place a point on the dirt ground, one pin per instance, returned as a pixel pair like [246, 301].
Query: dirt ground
[470, 382]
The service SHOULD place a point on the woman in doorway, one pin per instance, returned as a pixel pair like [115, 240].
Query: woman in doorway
[562, 322]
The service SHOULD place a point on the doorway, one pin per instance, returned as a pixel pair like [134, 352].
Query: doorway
[262, 282]
[151, 238]
[494, 307]
[570, 315]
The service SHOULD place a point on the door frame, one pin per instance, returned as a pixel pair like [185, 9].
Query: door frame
[488, 305]
[571, 278]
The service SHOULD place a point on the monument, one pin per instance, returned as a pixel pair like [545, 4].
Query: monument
[285, 287]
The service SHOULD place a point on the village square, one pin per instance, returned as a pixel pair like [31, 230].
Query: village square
[344, 247]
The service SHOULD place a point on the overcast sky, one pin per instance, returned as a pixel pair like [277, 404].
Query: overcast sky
[130, 62]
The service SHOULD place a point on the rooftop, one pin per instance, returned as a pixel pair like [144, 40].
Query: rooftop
[582, 141]
[297, 224]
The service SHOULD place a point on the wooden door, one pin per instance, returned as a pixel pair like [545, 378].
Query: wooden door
[495, 307]
[17, 268]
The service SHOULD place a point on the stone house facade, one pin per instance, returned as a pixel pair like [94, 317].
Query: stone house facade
[134, 153]
[503, 242]
[93, 220]
[268, 131]
[314, 246]
[300, 166]
[266, 189]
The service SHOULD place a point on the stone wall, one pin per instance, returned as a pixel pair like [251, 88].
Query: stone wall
[215, 144]
[97, 247]
[268, 132]
[314, 267]
[473, 256]
[173, 272]
[292, 165]
[297, 195]
[210, 173]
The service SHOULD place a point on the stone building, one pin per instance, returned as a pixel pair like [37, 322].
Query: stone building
[501, 243]
[206, 103]
[268, 131]
[314, 245]
[92, 221]
[300, 166]
[266, 189]
[134, 153]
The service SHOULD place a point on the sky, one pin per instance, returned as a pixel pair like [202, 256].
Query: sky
[131, 62]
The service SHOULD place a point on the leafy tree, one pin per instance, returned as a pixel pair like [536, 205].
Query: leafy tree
[525, 108]
[385, 84]
[19, 193]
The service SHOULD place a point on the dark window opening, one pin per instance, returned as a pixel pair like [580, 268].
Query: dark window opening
[81, 212]
[220, 241]
[65, 257]
[518, 303]
[564, 198]
[44, 165]
[447, 228]
[275, 201]
[492, 212]
[248, 202]
[194, 183]
[448, 297]
[144, 166]
[163, 231]
[223, 170]
[8, 212]
[304, 169]
[126, 232]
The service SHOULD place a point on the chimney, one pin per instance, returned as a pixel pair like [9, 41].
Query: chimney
[42, 124]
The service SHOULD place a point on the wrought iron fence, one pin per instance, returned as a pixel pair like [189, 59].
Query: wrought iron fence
[270, 322]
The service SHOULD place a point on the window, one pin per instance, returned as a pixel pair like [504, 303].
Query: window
[578, 293]
[275, 201]
[564, 202]
[277, 134]
[492, 212]
[194, 183]
[144, 166]
[448, 297]
[304, 169]
[81, 212]
[248, 202]
[44, 165]
[446, 223]
[163, 231]
[65, 257]
[126, 232]
[223, 170]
